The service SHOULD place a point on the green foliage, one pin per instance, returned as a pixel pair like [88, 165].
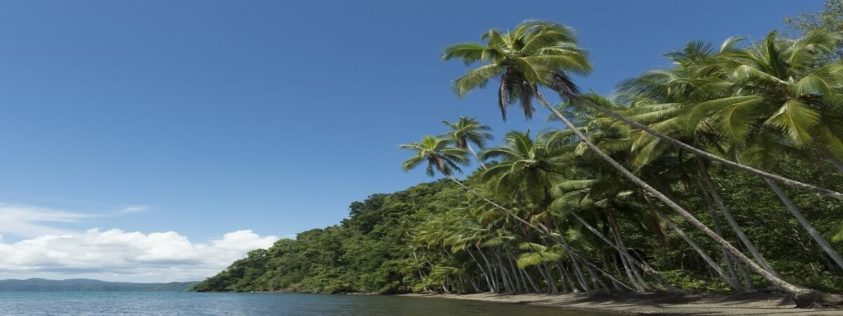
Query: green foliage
[534, 53]
[693, 283]
[368, 252]
[391, 242]
[546, 214]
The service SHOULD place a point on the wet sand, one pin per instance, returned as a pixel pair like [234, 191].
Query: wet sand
[653, 304]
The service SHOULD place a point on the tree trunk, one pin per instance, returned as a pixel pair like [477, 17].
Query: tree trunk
[491, 270]
[530, 279]
[718, 201]
[548, 279]
[711, 263]
[525, 276]
[805, 223]
[480, 161]
[746, 277]
[578, 274]
[540, 228]
[474, 285]
[568, 278]
[692, 149]
[507, 280]
[573, 254]
[521, 284]
[596, 281]
[776, 281]
[623, 252]
[635, 277]
[728, 260]
[485, 275]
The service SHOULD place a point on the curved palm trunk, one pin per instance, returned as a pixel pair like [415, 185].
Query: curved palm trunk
[718, 201]
[525, 277]
[482, 271]
[733, 283]
[578, 273]
[805, 223]
[544, 270]
[775, 280]
[468, 146]
[637, 278]
[697, 151]
[627, 261]
[574, 254]
[644, 266]
[492, 275]
[570, 281]
[540, 228]
[505, 277]
[728, 260]
[732, 265]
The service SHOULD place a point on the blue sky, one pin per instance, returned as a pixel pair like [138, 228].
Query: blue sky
[210, 117]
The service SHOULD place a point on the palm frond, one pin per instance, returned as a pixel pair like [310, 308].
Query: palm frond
[797, 120]
[476, 78]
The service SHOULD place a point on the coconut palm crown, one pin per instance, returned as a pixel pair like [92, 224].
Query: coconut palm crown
[438, 154]
[467, 130]
[534, 52]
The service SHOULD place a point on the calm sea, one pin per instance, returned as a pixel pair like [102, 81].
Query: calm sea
[186, 303]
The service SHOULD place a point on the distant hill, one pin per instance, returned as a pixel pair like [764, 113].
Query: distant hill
[88, 285]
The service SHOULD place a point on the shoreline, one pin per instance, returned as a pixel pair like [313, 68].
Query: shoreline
[651, 304]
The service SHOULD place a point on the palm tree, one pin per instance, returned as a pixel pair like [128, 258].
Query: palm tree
[438, 155]
[773, 95]
[538, 53]
[445, 159]
[778, 86]
[531, 53]
[665, 100]
[526, 169]
[466, 131]
[441, 157]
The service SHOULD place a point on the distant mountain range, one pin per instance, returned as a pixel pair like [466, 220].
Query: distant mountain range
[88, 285]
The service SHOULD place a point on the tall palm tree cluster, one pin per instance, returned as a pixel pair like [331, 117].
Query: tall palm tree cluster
[555, 212]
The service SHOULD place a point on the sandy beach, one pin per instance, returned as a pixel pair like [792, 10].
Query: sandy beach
[653, 304]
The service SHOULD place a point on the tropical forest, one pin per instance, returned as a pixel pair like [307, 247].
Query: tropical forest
[722, 173]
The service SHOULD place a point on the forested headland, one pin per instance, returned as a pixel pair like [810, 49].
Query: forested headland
[722, 173]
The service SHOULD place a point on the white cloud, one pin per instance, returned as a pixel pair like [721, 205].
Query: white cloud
[43, 245]
[134, 209]
[125, 256]
[29, 221]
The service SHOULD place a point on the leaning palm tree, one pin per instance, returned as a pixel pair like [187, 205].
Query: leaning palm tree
[778, 93]
[538, 53]
[526, 169]
[443, 158]
[438, 155]
[466, 131]
[446, 159]
[665, 100]
[529, 170]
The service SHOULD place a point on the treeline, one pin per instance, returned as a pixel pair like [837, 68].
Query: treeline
[722, 173]
[77, 285]
[371, 251]
[416, 240]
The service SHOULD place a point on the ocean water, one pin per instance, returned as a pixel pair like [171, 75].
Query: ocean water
[188, 303]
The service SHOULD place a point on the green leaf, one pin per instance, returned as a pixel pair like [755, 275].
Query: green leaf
[796, 119]
[476, 78]
[810, 85]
